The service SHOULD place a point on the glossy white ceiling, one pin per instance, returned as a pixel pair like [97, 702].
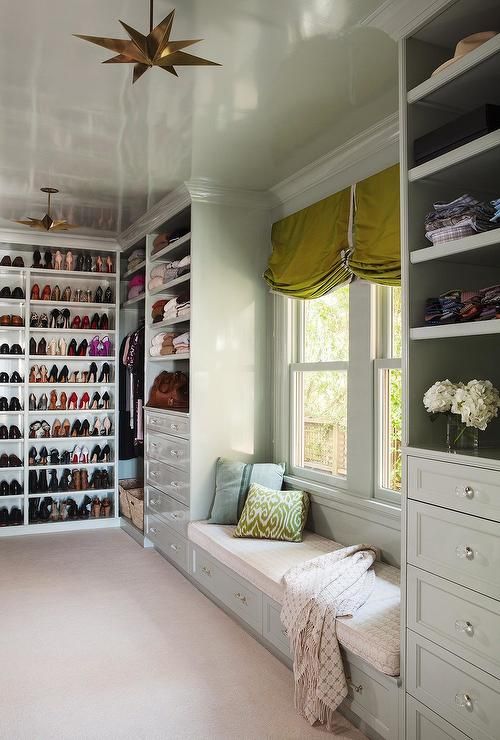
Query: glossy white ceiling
[299, 77]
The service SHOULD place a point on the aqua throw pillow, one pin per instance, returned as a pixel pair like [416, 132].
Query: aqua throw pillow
[273, 515]
[232, 481]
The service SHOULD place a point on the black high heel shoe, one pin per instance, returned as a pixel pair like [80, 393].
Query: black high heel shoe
[55, 458]
[76, 428]
[93, 373]
[53, 482]
[33, 350]
[98, 295]
[65, 458]
[37, 259]
[96, 454]
[108, 295]
[105, 455]
[106, 400]
[105, 375]
[85, 429]
[48, 260]
[95, 402]
[82, 348]
[53, 374]
[54, 315]
[14, 405]
[79, 263]
[43, 456]
[66, 316]
[32, 454]
[63, 375]
[87, 263]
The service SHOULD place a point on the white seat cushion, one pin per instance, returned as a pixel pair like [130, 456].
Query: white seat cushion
[373, 633]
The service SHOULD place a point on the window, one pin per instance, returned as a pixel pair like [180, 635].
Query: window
[389, 395]
[319, 381]
[334, 425]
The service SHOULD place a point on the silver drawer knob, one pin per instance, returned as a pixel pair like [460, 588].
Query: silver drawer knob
[154, 474]
[466, 492]
[358, 688]
[174, 427]
[176, 453]
[154, 445]
[464, 626]
[241, 598]
[174, 516]
[175, 484]
[206, 571]
[154, 501]
[174, 547]
[464, 701]
[152, 530]
[464, 551]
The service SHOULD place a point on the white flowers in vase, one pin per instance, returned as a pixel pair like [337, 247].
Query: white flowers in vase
[476, 402]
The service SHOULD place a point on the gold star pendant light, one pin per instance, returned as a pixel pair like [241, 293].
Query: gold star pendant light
[47, 223]
[154, 50]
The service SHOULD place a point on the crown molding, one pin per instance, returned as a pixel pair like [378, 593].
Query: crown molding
[204, 190]
[59, 240]
[149, 222]
[400, 18]
[326, 172]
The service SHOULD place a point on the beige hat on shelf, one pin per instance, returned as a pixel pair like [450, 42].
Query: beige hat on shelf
[465, 46]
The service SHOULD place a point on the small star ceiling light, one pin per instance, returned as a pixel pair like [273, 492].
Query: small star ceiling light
[153, 50]
[47, 223]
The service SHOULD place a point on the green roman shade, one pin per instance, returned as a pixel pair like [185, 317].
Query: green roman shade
[308, 249]
[377, 244]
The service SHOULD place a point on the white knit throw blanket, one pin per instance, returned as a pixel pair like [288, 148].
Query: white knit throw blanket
[316, 592]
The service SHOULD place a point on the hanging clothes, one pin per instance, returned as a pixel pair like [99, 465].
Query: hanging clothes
[131, 424]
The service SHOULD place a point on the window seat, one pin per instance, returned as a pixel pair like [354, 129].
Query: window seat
[373, 633]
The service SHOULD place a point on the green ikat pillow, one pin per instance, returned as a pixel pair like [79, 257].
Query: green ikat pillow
[273, 515]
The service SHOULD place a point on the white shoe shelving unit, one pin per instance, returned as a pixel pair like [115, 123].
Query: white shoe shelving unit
[24, 244]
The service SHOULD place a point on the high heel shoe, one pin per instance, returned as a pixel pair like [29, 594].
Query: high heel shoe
[87, 263]
[34, 320]
[66, 316]
[85, 428]
[83, 509]
[105, 400]
[56, 429]
[95, 403]
[34, 376]
[96, 430]
[74, 377]
[42, 402]
[33, 350]
[98, 263]
[108, 295]
[76, 428]
[65, 427]
[104, 377]
[66, 294]
[58, 260]
[84, 401]
[98, 295]
[62, 347]
[53, 374]
[109, 264]
[82, 348]
[42, 347]
[53, 482]
[63, 401]
[53, 401]
[95, 511]
[48, 260]
[60, 323]
[105, 455]
[75, 324]
[92, 378]
[84, 455]
[44, 321]
[35, 292]
[85, 322]
[56, 293]
[94, 324]
[75, 455]
[52, 347]
[32, 455]
[72, 348]
[63, 374]
[46, 292]
[72, 401]
[104, 322]
[44, 454]
[54, 457]
[79, 263]
[96, 454]
[43, 374]
[106, 426]
[37, 259]
[32, 402]
[68, 262]
[54, 315]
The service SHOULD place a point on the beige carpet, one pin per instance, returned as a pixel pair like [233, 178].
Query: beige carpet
[102, 639]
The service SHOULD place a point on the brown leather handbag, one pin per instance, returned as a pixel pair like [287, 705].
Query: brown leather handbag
[170, 391]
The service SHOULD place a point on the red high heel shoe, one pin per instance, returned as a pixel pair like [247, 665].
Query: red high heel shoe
[75, 324]
[109, 264]
[46, 293]
[98, 263]
[35, 292]
[104, 324]
[84, 401]
[73, 401]
[86, 323]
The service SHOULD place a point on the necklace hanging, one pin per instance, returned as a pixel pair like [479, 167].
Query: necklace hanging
[153, 50]
[47, 223]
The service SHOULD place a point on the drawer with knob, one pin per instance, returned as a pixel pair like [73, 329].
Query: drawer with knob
[169, 542]
[171, 511]
[171, 450]
[170, 480]
[237, 594]
[465, 696]
[272, 629]
[461, 620]
[463, 488]
[464, 549]
[423, 724]
[175, 424]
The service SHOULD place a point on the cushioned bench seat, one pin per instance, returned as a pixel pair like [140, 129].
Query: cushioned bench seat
[373, 633]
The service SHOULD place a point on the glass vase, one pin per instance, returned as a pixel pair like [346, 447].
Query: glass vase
[459, 436]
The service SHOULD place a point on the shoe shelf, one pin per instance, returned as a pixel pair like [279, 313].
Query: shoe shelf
[8, 469]
[73, 466]
[12, 328]
[172, 284]
[71, 493]
[11, 495]
[48, 385]
[41, 272]
[166, 358]
[43, 440]
[74, 304]
[171, 251]
[11, 357]
[12, 413]
[170, 322]
[53, 330]
[68, 358]
[66, 412]
[19, 441]
[13, 270]
[134, 270]
[11, 385]
[133, 301]
[12, 301]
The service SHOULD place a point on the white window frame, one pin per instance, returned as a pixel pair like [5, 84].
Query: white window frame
[363, 407]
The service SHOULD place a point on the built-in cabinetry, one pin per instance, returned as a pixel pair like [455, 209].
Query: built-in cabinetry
[451, 506]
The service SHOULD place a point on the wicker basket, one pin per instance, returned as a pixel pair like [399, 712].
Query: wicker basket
[132, 501]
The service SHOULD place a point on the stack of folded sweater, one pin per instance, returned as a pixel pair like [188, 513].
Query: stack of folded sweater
[461, 217]
[457, 306]
[157, 310]
[162, 344]
[162, 240]
[135, 259]
[177, 307]
[135, 286]
[181, 343]
[167, 271]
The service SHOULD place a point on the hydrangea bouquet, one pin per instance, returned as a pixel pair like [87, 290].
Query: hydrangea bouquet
[470, 406]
